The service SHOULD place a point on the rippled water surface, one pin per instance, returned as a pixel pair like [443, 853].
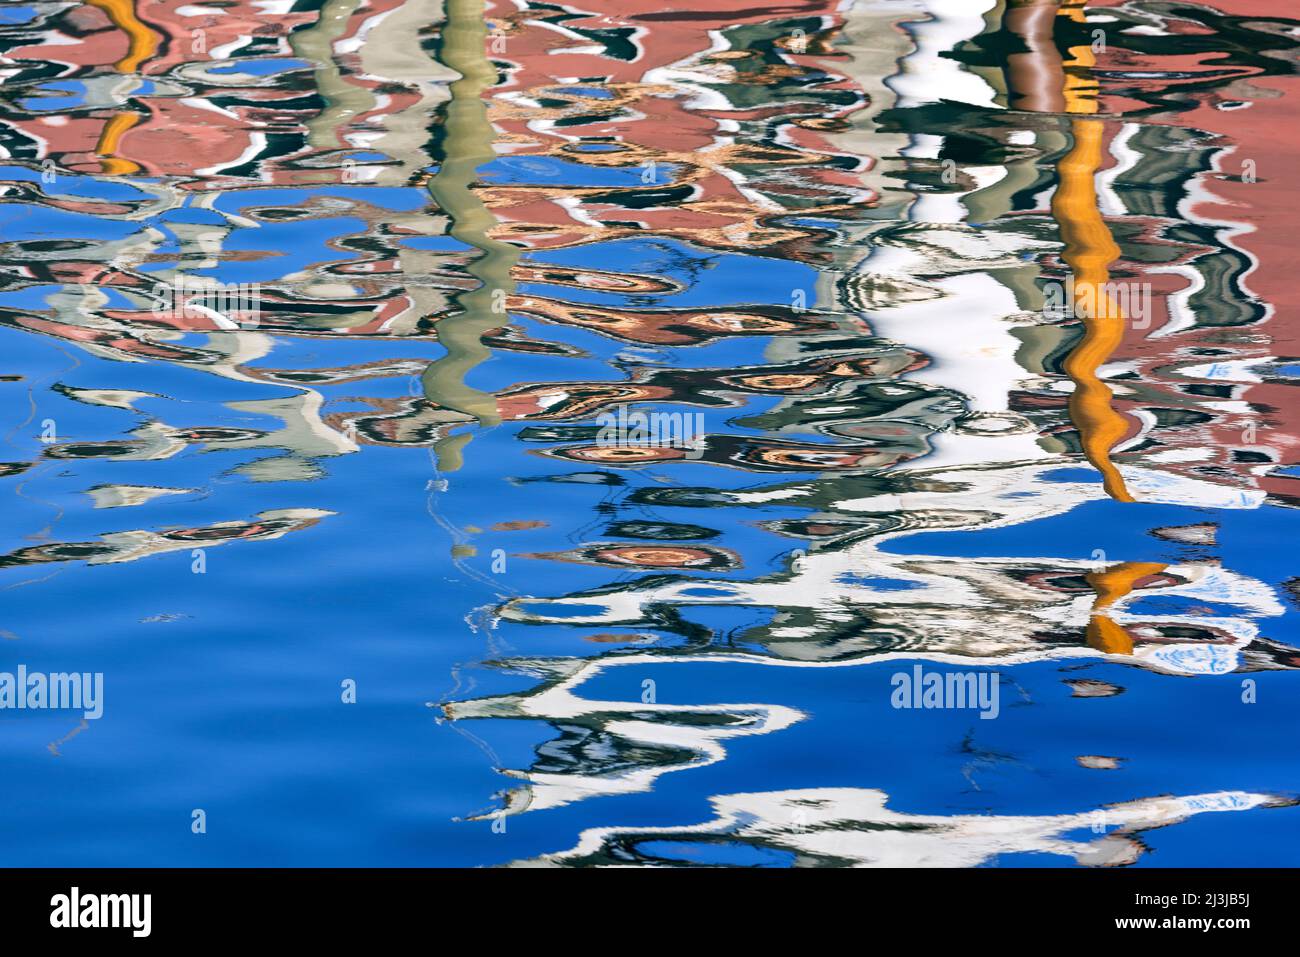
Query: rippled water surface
[534, 432]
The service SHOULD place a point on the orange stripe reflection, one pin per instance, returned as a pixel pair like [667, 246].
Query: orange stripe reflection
[107, 145]
[143, 41]
[1104, 633]
[1089, 250]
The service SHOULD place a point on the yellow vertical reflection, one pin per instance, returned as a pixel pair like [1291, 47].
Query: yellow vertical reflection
[1089, 250]
[143, 43]
[143, 40]
[107, 145]
[1104, 633]
[1080, 87]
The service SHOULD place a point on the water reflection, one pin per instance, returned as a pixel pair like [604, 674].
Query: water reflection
[970, 401]
[978, 308]
[847, 828]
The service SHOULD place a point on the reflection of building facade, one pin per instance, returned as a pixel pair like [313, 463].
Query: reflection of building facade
[961, 432]
[197, 90]
[907, 379]
[185, 106]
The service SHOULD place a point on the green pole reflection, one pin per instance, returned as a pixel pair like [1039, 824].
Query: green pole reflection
[467, 145]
